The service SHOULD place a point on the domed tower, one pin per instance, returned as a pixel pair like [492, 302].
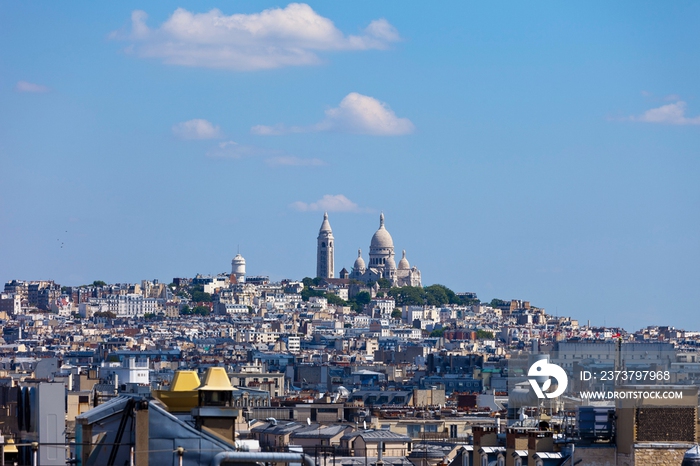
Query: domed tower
[403, 263]
[325, 261]
[381, 248]
[390, 270]
[238, 268]
[359, 268]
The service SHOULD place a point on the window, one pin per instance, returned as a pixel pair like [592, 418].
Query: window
[413, 431]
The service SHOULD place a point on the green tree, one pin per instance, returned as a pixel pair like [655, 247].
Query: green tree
[408, 296]
[484, 335]
[438, 332]
[362, 298]
[435, 295]
[198, 294]
[396, 313]
[384, 283]
[469, 301]
[201, 310]
[99, 283]
[306, 293]
[439, 295]
[335, 300]
[185, 311]
[498, 303]
[308, 282]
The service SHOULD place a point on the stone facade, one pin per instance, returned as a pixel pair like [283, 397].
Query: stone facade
[325, 260]
[659, 454]
[382, 263]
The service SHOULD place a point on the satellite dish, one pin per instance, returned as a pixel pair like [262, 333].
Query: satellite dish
[364, 423]
[308, 421]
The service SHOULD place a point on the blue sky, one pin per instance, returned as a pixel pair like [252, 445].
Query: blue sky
[543, 151]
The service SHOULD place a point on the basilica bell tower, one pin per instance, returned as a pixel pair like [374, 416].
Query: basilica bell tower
[325, 261]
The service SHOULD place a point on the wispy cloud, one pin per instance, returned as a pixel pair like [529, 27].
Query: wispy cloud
[197, 129]
[292, 161]
[357, 113]
[273, 38]
[272, 157]
[669, 114]
[329, 203]
[233, 150]
[24, 86]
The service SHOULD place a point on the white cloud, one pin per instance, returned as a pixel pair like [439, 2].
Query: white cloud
[292, 161]
[357, 113]
[670, 114]
[262, 130]
[233, 150]
[328, 203]
[196, 129]
[361, 114]
[24, 86]
[273, 38]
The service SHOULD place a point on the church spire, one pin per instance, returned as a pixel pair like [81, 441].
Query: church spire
[325, 226]
[325, 261]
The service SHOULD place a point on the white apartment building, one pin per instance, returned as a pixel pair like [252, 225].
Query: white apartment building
[408, 333]
[11, 303]
[382, 307]
[293, 344]
[230, 309]
[128, 371]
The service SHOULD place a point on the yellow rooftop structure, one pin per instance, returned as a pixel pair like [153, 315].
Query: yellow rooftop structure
[10, 446]
[185, 381]
[216, 379]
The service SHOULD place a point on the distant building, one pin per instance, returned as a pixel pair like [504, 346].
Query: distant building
[382, 263]
[325, 261]
[238, 268]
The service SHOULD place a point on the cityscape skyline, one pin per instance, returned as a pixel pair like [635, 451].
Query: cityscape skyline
[544, 152]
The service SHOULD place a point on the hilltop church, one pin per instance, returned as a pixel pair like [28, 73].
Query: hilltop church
[381, 259]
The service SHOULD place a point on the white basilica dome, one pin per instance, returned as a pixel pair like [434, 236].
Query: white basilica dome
[381, 238]
[403, 263]
[359, 262]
